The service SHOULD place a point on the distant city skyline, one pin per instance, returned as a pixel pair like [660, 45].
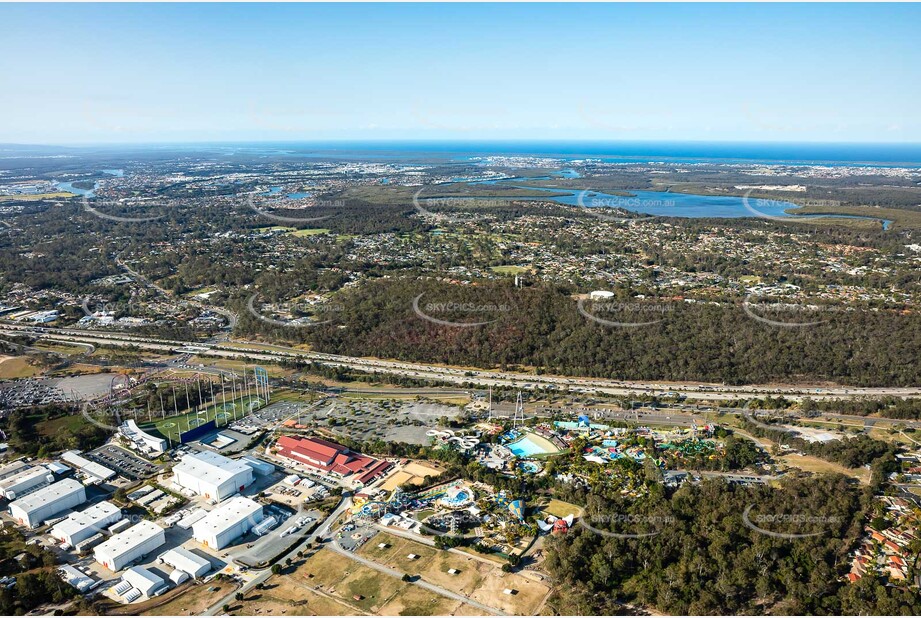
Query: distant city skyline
[112, 73]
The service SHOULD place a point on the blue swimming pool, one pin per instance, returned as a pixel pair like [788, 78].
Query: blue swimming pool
[526, 447]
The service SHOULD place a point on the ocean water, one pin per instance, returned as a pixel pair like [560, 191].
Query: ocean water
[793, 153]
[839, 153]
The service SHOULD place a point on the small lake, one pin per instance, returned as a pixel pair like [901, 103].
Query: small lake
[70, 188]
[668, 204]
[290, 196]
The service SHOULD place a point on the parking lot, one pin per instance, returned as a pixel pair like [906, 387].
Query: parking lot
[124, 463]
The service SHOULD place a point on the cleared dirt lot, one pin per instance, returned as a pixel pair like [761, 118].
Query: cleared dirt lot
[415, 601]
[331, 585]
[481, 581]
[527, 599]
[283, 597]
[396, 553]
[193, 602]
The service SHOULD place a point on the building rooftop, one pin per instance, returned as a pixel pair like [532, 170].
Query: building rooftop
[24, 474]
[47, 495]
[90, 467]
[86, 518]
[184, 560]
[229, 513]
[143, 579]
[325, 455]
[211, 467]
[126, 541]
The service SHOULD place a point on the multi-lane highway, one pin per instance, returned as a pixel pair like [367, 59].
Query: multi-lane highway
[453, 375]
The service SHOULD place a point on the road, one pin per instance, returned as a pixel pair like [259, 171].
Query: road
[417, 581]
[477, 377]
[319, 531]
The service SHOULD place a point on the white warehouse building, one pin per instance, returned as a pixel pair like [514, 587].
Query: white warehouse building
[23, 481]
[81, 526]
[144, 581]
[91, 468]
[227, 522]
[211, 475]
[182, 559]
[47, 502]
[126, 547]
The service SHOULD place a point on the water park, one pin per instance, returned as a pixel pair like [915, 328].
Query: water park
[447, 437]
[525, 444]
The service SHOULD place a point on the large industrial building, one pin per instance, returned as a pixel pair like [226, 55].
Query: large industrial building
[47, 502]
[144, 581]
[24, 480]
[211, 475]
[92, 469]
[8, 470]
[182, 559]
[126, 547]
[331, 458]
[227, 522]
[84, 524]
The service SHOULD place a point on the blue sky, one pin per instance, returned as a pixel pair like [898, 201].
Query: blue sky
[174, 72]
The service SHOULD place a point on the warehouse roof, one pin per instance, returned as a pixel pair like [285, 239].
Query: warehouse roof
[184, 560]
[47, 495]
[143, 580]
[126, 541]
[228, 514]
[23, 475]
[211, 467]
[87, 518]
[90, 467]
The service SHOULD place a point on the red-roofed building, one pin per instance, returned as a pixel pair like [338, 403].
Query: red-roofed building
[331, 458]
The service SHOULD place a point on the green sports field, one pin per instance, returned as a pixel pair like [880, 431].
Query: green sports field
[225, 413]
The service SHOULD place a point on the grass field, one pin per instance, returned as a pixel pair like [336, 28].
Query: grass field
[16, 367]
[509, 270]
[68, 424]
[559, 508]
[171, 426]
[820, 466]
